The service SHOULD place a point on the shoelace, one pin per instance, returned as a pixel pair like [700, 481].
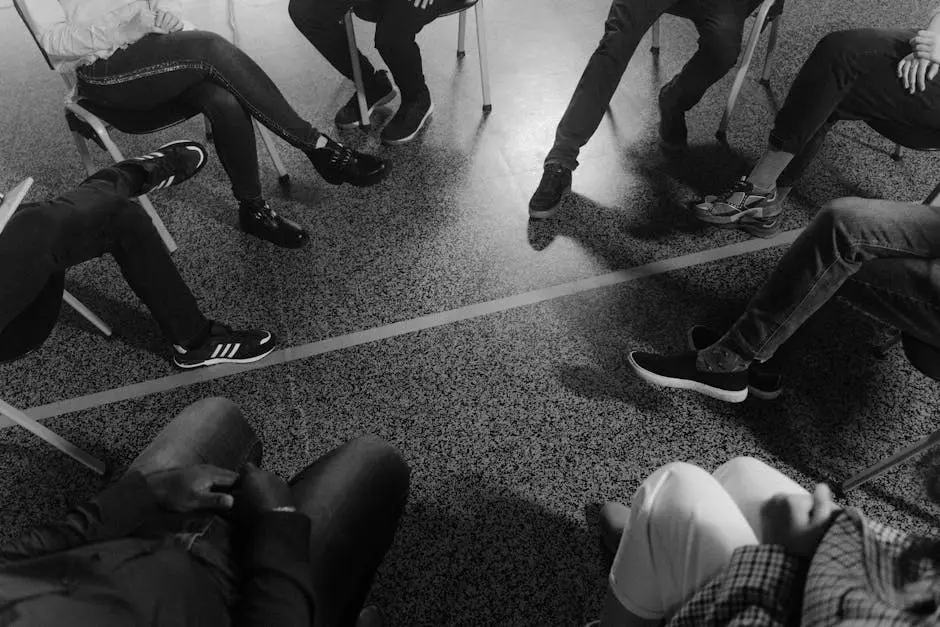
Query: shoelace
[341, 156]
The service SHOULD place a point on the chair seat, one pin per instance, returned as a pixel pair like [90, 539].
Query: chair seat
[141, 122]
[915, 138]
[923, 356]
[370, 10]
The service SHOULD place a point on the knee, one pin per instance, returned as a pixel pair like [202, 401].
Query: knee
[842, 214]
[672, 487]
[217, 101]
[212, 47]
[841, 46]
[306, 14]
[385, 460]
[741, 466]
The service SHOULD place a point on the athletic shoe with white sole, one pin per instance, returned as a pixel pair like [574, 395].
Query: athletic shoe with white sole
[679, 371]
[226, 346]
[741, 201]
[761, 383]
[411, 117]
[170, 164]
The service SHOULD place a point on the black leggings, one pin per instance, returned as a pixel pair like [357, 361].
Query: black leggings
[207, 72]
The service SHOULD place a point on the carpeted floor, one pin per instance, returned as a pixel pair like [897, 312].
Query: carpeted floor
[518, 423]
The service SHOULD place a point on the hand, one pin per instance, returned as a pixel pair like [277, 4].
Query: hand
[914, 72]
[167, 22]
[192, 488]
[798, 521]
[261, 491]
[423, 4]
[926, 45]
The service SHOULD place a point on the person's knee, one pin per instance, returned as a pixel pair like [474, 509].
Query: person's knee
[306, 14]
[385, 458]
[841, 214]
[841, 44]
[741, 466]
[212, 47]
[389, 38]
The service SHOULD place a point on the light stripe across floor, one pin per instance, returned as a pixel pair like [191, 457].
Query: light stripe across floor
[404, 327]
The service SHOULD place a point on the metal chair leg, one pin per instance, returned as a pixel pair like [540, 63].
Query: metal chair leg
[771, 48]
[78, 306]
[484, 58]
[931, 199]
[282, 176]
[656, 32]
[83, 153]
[364, 121]
[896, 155]
[33, 426]
[885, 465]
[462, 35]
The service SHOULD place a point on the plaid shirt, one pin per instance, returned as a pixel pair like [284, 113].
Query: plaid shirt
[854, 579]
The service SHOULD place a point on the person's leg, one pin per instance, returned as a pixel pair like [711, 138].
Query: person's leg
[682, 529]
[750, 483]
[159, 68]
[399, 23]
[321, 22]
[354, 496]
[210, 431]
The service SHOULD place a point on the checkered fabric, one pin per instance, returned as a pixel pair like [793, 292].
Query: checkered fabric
[855, 578]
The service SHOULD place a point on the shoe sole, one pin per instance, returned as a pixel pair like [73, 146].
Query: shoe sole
[410, 138]
[763, 395]
[384, 100]
[224, 360]
[551, 211]
[729, 396]
[753, 227]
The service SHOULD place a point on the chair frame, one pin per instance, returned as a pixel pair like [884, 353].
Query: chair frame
[770, 12]
[90, 126]
[32, 425]
[365, 123]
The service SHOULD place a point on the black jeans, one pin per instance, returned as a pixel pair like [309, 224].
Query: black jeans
[850, 75]
[44, 239]
[354, 496]
[203, 70]
[397, 24]
[720, 24]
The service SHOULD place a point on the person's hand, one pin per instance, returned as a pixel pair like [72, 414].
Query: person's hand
[926, 45]
[261, 491]
[423, 4]
[167, 22]
[798, 521]
[914, 72]
[192, 488]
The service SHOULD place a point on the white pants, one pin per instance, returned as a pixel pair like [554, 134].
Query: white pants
[684, 525]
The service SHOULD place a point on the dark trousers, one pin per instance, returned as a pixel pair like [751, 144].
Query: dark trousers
[720, 24]
[397, 24]
[850, 75]
[207, 72]
[883, 256]
[354, 496]
[44, 239]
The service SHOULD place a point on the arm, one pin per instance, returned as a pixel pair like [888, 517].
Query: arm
[114, 513]
[277, 586]
[65, 40]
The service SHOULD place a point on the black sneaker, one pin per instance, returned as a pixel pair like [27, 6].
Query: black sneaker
[555, 183]
[258, 219]
[673, 132]
[679, 371]
[225, 346]
[412, 116]
[380, 94]
[338, 164]
[170, 164]
[761, 382]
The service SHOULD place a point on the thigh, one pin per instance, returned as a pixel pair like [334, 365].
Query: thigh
[211, 431]
[882, 228]
[354, 496]
[750, 483]
[682, 531]
[402, 19]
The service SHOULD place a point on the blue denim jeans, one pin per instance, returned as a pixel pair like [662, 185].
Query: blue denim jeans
[354, 496]
[207, 72]
[883, 256]
[850, 75]
[720, 24]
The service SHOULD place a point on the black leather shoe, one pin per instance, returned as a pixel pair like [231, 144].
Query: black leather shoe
[338, 164]
[258, 219]
[556, 181]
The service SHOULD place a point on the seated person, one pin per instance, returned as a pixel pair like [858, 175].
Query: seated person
[42, 240]
[195, 533]
[883, 77]
[398, 22]
[720, 25]
[882, 256]
[748, 546]
[128, 56]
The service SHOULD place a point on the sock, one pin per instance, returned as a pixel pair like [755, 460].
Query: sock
[321, 142]
[770, 166]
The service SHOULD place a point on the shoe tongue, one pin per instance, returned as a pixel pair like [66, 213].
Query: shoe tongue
[219, 329]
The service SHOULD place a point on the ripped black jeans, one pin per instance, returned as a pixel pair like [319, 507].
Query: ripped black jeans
[207, 72]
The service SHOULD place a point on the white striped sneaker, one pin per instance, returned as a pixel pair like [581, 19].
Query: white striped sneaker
[225, 346]
[170, 164]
